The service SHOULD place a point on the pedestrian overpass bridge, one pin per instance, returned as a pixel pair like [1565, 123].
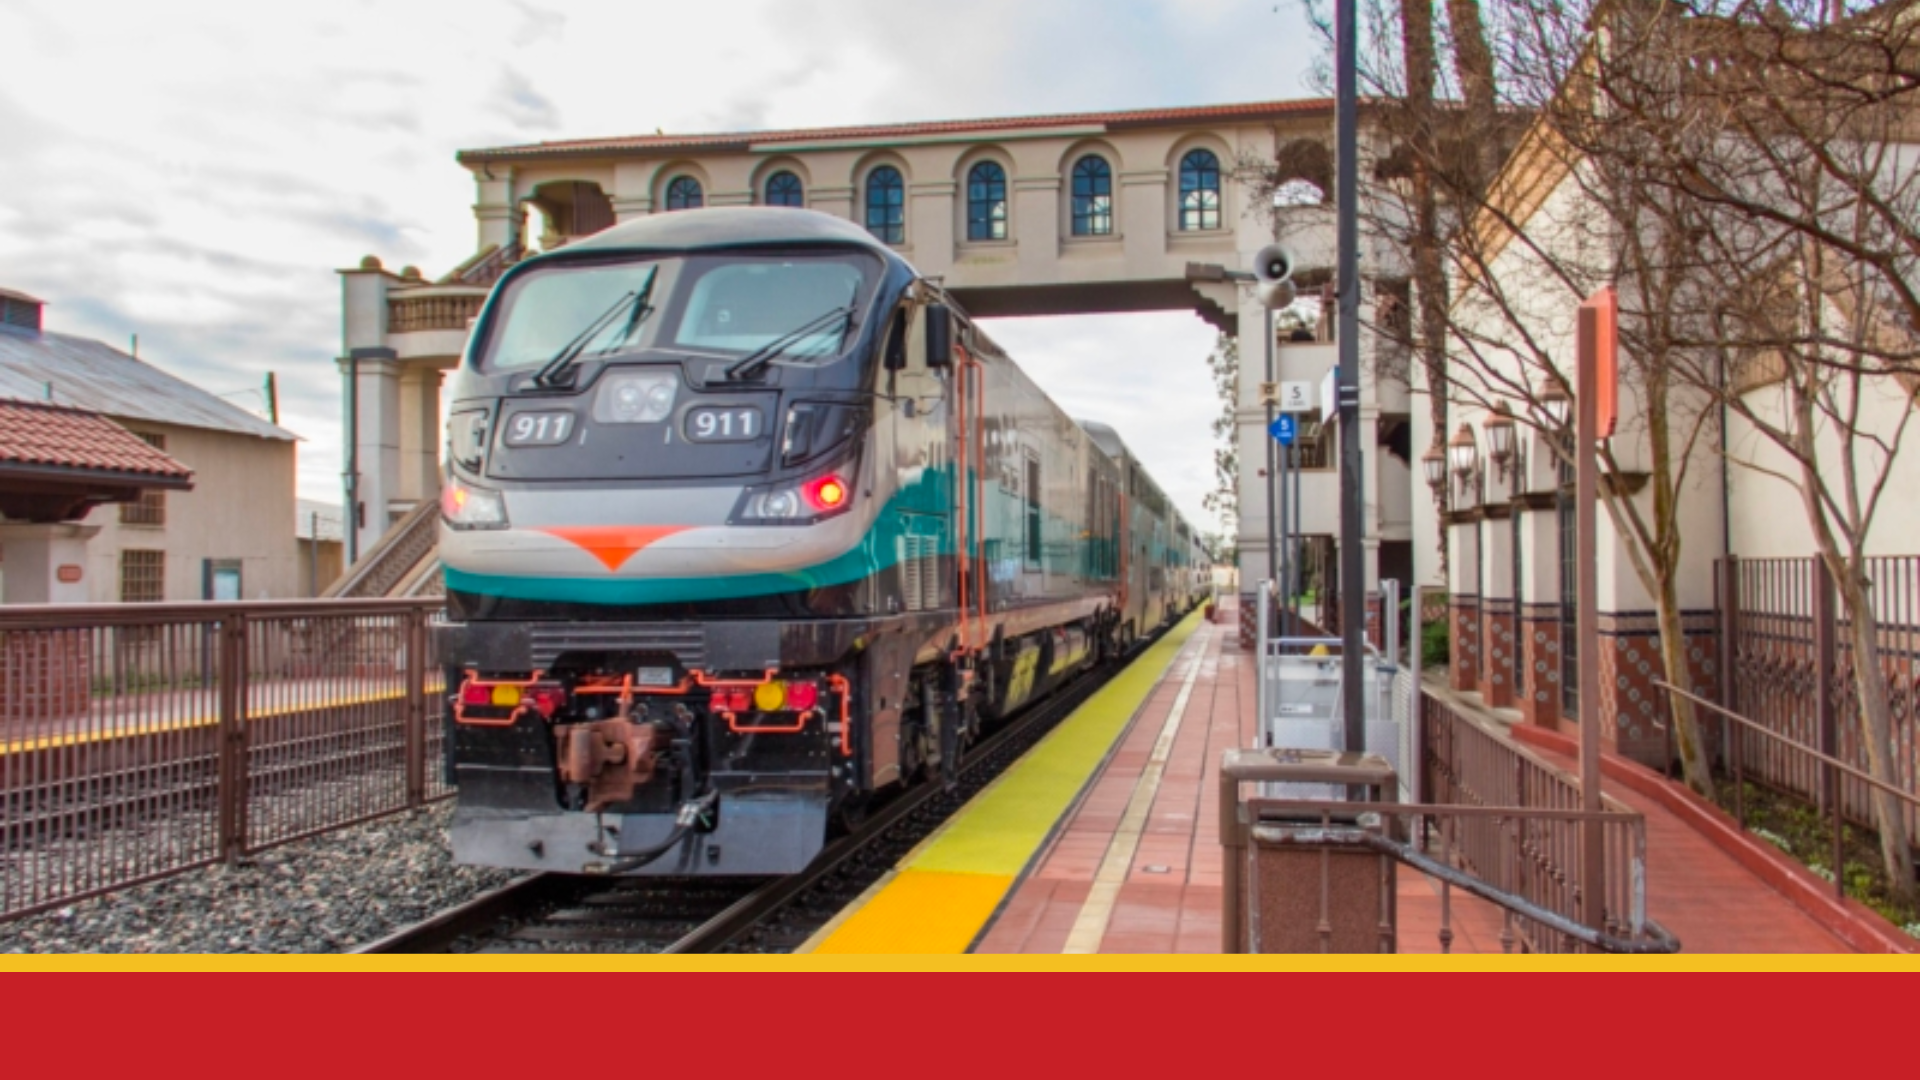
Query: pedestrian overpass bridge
[1049, 215]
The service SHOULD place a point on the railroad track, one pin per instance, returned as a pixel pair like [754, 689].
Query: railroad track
[554, 912]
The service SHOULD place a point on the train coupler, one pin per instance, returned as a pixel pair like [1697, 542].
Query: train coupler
[610, 758]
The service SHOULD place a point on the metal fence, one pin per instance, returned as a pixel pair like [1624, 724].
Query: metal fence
[138, 741]
[1789, 649]
[1528, 833]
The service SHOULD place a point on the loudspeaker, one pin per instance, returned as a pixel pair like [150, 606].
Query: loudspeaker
[1273, 270]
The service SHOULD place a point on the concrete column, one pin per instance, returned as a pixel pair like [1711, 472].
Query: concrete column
[420, 429]
[1538, 620]
[1463, 608]
[930, 223]
[377, 446]
[1497, 612]
[1036, 224]
[632, 194]
[1143, 213]
[496, 208]
[34, 558]
[838, 201]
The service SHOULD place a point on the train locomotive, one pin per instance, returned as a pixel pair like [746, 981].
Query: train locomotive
[746, 522]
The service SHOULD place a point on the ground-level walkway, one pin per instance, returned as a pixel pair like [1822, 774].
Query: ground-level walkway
[1133, 864]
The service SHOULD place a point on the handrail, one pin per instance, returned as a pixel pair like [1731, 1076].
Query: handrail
[1793, 744]
[393, 557]
[1659, 941]
[1837, 849]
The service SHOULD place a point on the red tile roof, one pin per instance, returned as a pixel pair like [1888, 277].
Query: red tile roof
[57, 438]
[1111, 121]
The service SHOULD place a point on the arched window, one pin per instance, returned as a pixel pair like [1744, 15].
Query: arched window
[783, 189]
[1199, 191]
[887, 205]
[684, 194]
[986, 202]
[1092, 197]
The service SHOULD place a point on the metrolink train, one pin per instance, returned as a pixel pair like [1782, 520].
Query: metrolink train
[745, 523]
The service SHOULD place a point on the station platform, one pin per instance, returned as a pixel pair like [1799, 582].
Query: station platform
[1105, 839]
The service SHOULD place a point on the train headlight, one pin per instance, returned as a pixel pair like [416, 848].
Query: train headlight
[798, 502]
[635, 397]
[464, 507]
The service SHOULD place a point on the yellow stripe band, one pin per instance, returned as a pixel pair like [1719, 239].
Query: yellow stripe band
[940, 898]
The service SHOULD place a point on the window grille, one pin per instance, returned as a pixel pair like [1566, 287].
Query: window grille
[1199, 191]
[151, 507]
[784, 189]
[1092, 197]
[685, 194]
[986, 202]
[143, 576]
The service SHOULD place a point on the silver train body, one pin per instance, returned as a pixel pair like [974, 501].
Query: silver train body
[717, 574]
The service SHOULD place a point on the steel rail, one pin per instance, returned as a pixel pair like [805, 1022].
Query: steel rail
[738, 920]
[438, 931]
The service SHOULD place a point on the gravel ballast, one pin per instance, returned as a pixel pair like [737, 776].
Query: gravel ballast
[328, 894]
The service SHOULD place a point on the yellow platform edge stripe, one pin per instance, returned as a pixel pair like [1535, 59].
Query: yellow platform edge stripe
[947, 890]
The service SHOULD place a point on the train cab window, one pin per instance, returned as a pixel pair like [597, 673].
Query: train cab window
[1033, 512]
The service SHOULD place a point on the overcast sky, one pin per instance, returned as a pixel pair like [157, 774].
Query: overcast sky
[195, 172]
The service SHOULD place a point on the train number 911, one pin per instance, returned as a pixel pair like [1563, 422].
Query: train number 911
[723, 425]
[539, 428]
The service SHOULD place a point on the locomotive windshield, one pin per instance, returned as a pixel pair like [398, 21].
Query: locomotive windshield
[789, 308]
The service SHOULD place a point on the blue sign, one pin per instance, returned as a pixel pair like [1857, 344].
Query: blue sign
[1284, 430]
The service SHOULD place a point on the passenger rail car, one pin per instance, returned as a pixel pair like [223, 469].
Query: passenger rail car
[745, 521]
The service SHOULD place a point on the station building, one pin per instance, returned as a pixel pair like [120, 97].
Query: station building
[150, 488]
[1506, 501]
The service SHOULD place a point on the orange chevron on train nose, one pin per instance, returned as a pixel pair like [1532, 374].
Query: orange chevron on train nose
[613, 545]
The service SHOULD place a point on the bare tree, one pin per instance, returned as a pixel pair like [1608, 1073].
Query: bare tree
[1782, 137]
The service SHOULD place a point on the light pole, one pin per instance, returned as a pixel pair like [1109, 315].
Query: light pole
[1353, 572]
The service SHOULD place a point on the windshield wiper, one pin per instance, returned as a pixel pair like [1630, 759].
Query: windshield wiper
[753, 363]
[559, 370]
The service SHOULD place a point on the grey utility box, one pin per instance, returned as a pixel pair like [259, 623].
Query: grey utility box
[1298, 877]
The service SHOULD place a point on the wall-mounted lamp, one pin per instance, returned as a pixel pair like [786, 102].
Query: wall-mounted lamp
[1500, 438]
[1434, 464]
[1463, 453]
[1555, 403]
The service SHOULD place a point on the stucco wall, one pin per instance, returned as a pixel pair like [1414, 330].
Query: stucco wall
[241, 507]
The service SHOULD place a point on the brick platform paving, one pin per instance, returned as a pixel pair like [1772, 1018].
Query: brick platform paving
[1084, 894]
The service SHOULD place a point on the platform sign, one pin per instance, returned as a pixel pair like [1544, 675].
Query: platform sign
[1606, 360]
[1296, 397]
[1285, 430]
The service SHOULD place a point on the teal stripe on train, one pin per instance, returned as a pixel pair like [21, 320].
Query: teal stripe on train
[878, 551]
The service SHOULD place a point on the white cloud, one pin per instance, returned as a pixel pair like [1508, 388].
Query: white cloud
[195, 171]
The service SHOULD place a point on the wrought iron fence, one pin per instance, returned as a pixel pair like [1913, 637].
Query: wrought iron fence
[1528, 833]
[138, 741]
[1789, 648]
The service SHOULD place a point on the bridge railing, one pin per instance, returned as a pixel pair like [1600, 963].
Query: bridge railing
[138, 741]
